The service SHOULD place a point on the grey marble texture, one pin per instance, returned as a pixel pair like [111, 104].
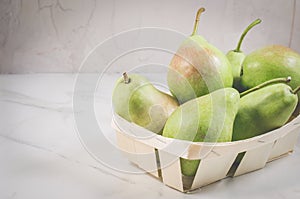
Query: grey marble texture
[56, 35]
[42, 155]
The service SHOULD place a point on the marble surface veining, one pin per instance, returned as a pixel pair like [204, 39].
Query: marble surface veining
[55, 35]
[41, 155]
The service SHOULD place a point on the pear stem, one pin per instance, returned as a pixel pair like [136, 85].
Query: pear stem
[254, 23]
[272, 81]
[126, 78]
[296, 90]
[197, 20]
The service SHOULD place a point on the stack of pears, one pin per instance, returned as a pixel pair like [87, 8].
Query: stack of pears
[215, 97]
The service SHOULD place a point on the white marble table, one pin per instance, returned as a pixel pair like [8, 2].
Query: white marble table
[41, 155]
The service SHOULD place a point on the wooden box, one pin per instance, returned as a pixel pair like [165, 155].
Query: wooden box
[160, 156]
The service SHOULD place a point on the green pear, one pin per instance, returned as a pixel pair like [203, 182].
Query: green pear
[197, 68]
[208, 118]
[237, 56]
[137, 100]
[271, 62]
[264, 108]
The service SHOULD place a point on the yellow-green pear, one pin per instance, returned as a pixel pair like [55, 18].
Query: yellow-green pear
[137, 100]
[208, 118]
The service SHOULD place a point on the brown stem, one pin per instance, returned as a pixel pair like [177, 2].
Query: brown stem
[272, 81]
[126, 78]
[197, 20]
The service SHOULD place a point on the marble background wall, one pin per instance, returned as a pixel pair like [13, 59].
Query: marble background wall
[55, 35]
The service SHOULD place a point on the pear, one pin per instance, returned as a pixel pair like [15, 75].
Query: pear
[271, 62]
[208, 118]
[237, 56]
[264, 108]
[137, 100]
[197, 68]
